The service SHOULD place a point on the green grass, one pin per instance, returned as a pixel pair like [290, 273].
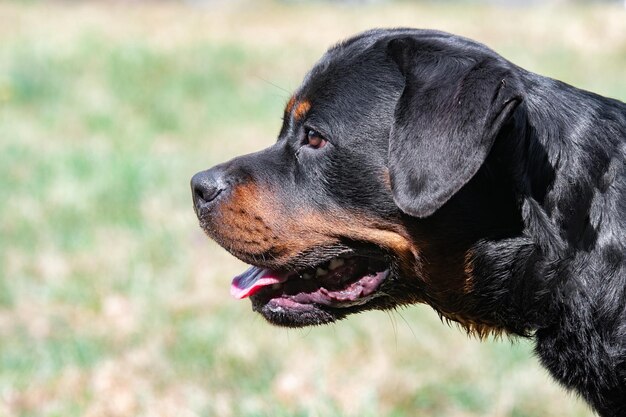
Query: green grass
[112, 302]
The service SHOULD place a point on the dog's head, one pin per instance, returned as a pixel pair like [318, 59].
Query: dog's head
[377, 186]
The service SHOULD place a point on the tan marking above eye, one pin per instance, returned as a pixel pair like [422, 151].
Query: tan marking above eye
[302, 108]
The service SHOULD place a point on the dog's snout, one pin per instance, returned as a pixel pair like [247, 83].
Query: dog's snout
[206, 186]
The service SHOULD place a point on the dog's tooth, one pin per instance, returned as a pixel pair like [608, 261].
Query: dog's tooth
[306, 275]
[320, 272]
[336, 263]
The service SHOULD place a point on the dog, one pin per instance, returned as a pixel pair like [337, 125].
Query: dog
[416, 166]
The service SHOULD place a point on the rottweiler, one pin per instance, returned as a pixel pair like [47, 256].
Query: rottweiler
[416, 166]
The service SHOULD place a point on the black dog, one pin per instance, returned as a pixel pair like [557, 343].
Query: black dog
[421, 167]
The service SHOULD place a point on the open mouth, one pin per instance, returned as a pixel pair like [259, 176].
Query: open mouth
[341, 282]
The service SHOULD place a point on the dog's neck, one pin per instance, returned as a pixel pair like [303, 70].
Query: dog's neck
[511, 281]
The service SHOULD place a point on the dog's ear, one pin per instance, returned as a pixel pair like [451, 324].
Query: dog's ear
[446, 120]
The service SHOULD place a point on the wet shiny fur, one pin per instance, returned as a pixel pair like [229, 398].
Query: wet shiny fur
[495, 195]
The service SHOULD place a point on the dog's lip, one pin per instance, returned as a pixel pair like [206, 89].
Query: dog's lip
[340, 282]
[355, 293]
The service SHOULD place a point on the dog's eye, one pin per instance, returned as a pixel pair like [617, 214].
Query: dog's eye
[314, 139]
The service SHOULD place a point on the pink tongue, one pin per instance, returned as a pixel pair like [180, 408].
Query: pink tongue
[251, 281]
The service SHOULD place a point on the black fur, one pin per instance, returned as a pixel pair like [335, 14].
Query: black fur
[509, 186]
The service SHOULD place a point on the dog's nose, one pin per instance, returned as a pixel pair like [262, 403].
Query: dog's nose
[206, 186]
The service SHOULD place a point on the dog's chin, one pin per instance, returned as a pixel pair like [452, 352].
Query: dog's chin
[283, 312]
[314, 295]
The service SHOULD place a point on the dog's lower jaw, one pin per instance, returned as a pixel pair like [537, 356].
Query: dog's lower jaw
[305, 315]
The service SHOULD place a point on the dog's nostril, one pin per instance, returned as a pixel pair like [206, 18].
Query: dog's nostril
[206, 194]
[205, 186]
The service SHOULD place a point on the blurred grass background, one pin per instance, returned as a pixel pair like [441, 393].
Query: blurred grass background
[112, 301]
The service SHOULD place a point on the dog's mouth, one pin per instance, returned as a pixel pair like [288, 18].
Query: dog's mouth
[312, 295]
